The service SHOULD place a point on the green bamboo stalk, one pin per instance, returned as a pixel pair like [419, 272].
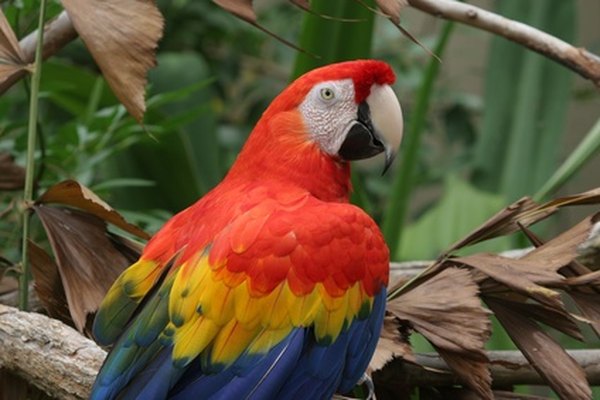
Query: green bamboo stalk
[587, 148]
[395, 213]
[31, 139]
[334, 40]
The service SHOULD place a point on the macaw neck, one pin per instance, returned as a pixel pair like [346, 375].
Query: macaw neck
[289, 158]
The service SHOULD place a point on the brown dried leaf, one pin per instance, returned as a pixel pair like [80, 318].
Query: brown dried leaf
[589, 253]
[588, 197]
[122, 36]
[556, 318]
[590, 279]
[540, 267]
[505, 395]
[74, 194]
[393, 343]
[7, 283]
[524, 212]
[563, 249]
[559, 370]
[589, 305]
[240, 8]
[522, 276]
[303, 4]
[88, 261]
[447, 311]
[244, 10]
[12, 176]
[392, 8]
[11, 55]
[503, 223]
[474, 372]
[48, 284]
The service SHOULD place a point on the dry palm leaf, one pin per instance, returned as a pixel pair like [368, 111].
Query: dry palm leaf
[87, 258]
[244, 10]
[446, 310]
[392, 9]
[122, 36]
[48, 284]
[393, 343]
[12, 59]
[12, 176]
[74, 194]
[524, 212]
[521, 292]
[547, 356]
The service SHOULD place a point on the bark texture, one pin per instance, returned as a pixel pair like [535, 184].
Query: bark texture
[54, 357]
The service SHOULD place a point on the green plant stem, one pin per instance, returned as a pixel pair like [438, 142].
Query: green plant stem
[395, 214]
[31, 139]
[586, 149]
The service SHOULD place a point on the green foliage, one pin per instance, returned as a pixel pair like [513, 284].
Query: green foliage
[523, 123]
[347, 36]
[402, 187]
[460, 208]
[182, 158]
[586, 149]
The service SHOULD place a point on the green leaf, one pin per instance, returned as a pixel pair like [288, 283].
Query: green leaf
[587, 148]
[524, 117]
[395, 214]
[184, 158]
[461, 208]
[334, 40]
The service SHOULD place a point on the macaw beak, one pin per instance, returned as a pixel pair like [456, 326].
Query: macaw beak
[377, 128]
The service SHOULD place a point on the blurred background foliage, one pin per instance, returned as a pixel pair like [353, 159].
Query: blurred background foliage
[491, 123]
[466, 152]
[483, 128]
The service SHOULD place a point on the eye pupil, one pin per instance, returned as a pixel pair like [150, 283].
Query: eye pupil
[327, 94]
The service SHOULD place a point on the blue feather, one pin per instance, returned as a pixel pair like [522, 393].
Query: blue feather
[296, 368]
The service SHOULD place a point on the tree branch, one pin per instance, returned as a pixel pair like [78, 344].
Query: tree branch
[508, 368]
[58, 360]
[58, 33]
[48, 354]
[579, 60]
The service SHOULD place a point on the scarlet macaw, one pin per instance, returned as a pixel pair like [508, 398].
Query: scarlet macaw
[271, 286]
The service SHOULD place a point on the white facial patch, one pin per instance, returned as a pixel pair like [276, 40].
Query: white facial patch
[328, 111]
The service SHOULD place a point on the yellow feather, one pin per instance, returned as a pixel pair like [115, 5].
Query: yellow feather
[231, 341]
[331, 303]
[139, 278]
[276, 307]
[303, 310]
[248, 310]
[183, 298]
[267, 339]
[330, 320]
[216, 301]
[192, 338]
[354, 302]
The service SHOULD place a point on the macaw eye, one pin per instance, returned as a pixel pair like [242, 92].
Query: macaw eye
[327, 94]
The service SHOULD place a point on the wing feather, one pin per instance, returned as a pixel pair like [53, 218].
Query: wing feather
[240, 312]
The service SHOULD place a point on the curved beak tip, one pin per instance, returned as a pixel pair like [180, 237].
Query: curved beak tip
[389, 160]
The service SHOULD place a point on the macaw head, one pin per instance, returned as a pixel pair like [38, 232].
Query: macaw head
[341, 112]
[350, 110]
